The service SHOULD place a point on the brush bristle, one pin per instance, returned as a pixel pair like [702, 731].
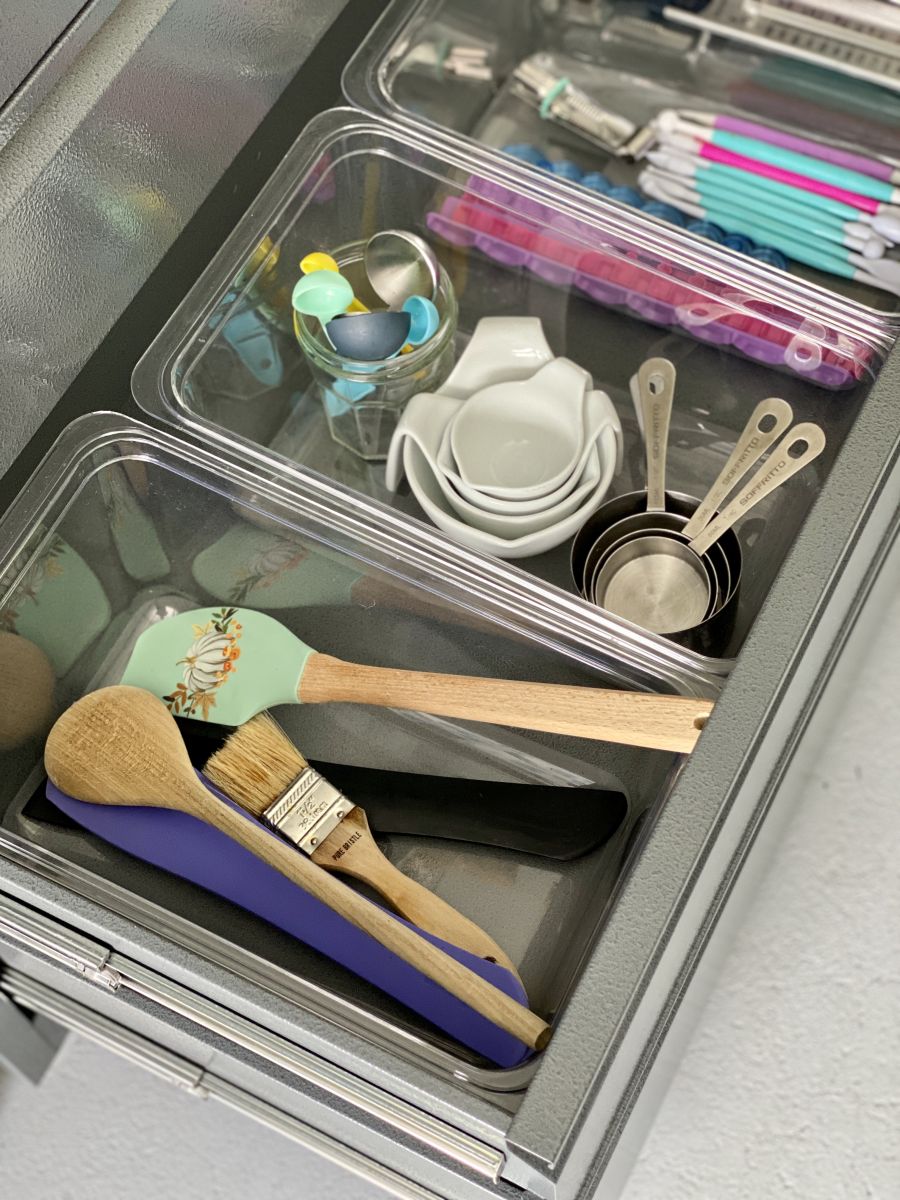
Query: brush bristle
[256, 764]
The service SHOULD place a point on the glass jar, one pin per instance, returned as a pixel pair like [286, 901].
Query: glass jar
[363, 400]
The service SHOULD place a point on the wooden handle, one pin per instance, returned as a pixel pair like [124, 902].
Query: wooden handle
[351, 849]
[631, 718]
[498, 1008]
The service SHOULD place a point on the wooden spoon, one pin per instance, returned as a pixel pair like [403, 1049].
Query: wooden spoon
[120, 745]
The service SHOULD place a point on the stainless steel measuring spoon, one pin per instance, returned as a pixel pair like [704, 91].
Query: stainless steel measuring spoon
[663, 583]
[767, 423]
[399, 265]
[656, 392]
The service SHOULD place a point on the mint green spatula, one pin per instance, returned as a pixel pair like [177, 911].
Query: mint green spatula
[227, 664]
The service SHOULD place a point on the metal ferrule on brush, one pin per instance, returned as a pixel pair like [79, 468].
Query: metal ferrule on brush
[307, 811]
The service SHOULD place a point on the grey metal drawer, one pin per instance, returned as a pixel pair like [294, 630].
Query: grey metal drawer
[262, 1045]
[22, 989]
[580, 1118]
[201, 1046]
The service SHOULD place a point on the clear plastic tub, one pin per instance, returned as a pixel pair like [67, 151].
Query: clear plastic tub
[349, 175]
[123, 525]
[633, 65]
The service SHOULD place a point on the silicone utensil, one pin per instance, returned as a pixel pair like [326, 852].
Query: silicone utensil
[186, 847]
[523, 814]
[229, 664]
[120, 746]
[318, 261]
[260, 768]
[322, 294]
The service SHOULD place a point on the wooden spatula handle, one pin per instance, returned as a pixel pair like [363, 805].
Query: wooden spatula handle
[631, 718]
[480, 995]
[351, 850]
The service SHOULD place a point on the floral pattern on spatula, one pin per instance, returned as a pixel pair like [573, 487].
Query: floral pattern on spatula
[266, 567]
[209, 663]
[46, 567]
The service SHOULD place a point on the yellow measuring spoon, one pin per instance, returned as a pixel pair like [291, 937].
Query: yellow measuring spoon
[318, 261]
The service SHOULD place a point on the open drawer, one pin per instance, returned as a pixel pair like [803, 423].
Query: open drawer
[609, 943]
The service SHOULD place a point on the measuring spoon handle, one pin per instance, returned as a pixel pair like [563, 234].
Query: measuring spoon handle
[777, 469]
[748, 450]
[656, 391]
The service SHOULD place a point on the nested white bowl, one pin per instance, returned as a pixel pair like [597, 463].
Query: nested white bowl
[425, 487]
[523, 440]
[598, 413]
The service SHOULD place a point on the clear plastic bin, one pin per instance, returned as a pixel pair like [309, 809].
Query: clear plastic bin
[348, 176]
[633, 64]
[123, 525]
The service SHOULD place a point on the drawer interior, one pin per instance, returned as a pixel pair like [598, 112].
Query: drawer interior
[141, 530]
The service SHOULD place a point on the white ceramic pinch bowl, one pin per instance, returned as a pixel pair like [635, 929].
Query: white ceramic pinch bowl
[599, 412]
[427, 491]
[500, 350]
[427, 414]
[521, 441]
[520, 525]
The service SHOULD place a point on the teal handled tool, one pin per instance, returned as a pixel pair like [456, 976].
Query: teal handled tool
[826, 256]
[806, 223]
[671, 127]
[226, 665]
[769, 192]
[819, 234]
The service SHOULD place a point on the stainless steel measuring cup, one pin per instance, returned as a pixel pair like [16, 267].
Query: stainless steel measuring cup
[668, 525]
[663, 582]
[602, 529]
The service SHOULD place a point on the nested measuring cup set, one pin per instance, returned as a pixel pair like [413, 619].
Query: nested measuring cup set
[672, 563]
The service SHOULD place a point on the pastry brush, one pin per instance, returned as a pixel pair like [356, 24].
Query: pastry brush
[262, 770]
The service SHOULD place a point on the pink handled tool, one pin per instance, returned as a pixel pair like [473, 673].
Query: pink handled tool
[876, 167]
[841, 158]
[730, 159]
